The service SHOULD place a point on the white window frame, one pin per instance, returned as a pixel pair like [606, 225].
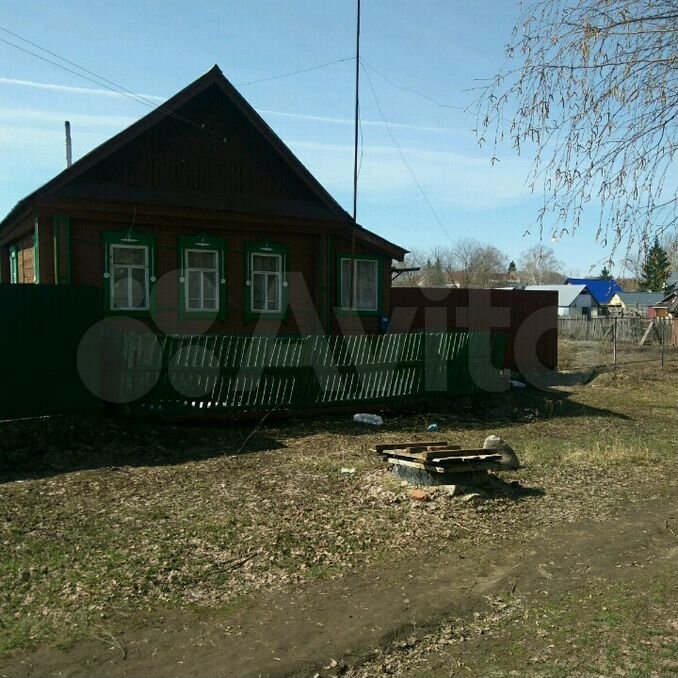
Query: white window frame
[278, 274]
[201, 270]
[147, 276]
[350, 304]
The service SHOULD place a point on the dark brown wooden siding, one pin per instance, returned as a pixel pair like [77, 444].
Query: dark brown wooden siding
[312, 263]
[26, 260]
[218, 160]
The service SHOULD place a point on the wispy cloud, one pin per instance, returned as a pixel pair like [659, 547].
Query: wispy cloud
[450, 180]
[45, 140]
[91, 91]
[75, 90]
[22, 115]
[365, 123]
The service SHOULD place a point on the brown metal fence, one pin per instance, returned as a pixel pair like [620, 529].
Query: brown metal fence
[528, 318]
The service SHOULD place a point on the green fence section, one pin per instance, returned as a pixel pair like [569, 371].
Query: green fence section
[41, 327]
[167, 374]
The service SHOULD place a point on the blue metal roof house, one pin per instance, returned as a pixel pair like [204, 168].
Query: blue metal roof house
[605, 292]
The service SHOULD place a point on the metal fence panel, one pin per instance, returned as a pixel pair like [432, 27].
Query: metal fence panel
[40, 330]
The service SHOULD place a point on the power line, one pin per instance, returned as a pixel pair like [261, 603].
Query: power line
[404, 159]
[297, 72]
[411, 90]
[113, 86]
[101, 82]
[122, 90]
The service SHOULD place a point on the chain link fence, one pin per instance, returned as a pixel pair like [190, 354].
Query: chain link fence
[614, 342]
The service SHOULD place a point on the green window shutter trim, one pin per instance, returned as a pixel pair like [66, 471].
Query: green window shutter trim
[380, 284]
[189, 242]
[266, 247]
[128, 237]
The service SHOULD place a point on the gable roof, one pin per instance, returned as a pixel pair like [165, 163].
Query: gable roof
[566, 293]
[601, 290]
[213, 77]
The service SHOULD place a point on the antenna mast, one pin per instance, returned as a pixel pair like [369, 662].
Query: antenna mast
[357, 114]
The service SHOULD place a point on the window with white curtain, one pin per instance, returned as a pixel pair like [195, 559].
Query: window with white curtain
[201, 279]
[359, 284]
[130, 277]
[266, 282]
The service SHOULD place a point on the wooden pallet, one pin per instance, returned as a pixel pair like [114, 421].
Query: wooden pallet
[439, 457]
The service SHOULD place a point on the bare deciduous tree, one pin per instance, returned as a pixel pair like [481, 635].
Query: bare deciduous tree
[593, 85]
[476, 264]
[468, 263]
[414, 259]
[539, 266]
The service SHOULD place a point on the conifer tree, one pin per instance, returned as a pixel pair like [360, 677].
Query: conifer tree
[656, 269]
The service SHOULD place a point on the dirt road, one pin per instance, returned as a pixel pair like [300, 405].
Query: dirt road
[515, 608]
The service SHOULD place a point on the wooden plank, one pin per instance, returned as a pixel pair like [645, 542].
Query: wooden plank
[381, 447]
[647, 333]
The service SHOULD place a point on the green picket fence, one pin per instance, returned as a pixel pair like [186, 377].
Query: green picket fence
[173, 374]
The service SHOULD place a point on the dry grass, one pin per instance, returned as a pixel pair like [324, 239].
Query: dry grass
[170, 517]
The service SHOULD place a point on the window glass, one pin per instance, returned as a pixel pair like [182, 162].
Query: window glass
[346, 266]
[258, 292]
[201, 280]
[266, 282]
[120, 288]
[359, 284]
[129, 277]
[366, 285]
[138, 288]
[201, 259]
[209, 290]
[273, 290]
[193, 281]
[266, 262]
[133, 256]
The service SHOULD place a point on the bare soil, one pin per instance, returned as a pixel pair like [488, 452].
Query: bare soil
[541, 603]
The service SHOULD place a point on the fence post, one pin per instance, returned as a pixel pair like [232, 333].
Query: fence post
[662, 327]
[614, 343]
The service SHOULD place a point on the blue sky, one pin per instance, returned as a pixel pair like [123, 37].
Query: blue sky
[440, 48]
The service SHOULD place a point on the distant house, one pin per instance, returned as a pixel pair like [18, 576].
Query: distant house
[639, 304]
[667, 307]
[604, 292]
[509, 279]
[199, 212]
[573, 300]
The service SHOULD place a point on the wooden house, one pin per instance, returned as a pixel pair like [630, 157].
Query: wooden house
[198, 216]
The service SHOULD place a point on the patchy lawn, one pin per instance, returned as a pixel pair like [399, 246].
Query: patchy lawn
[114, 522]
